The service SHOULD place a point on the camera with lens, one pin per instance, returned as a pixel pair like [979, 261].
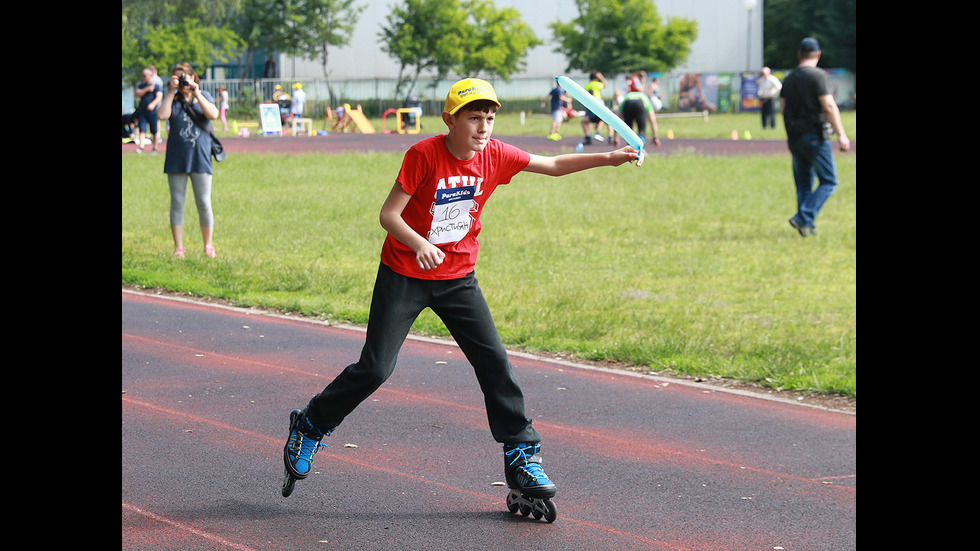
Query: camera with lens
[182, 81]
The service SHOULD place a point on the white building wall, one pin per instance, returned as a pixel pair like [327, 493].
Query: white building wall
[721, 46]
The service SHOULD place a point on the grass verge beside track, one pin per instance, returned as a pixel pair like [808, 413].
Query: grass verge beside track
[686, 265]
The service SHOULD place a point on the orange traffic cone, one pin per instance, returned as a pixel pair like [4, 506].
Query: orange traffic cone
[734, 134]
[670, 134]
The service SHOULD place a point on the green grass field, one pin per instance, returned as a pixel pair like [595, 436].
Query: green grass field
[684, 265]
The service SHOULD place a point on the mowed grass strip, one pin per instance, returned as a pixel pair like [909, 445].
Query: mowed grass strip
[686, 264]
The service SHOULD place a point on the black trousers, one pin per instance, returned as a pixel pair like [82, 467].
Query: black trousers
[768, 113]
[635, 113]
[396, 303]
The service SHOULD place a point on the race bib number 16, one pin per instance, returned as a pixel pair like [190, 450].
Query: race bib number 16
[451, 218]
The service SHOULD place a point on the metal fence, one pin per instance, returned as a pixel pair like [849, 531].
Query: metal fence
[373, 95]
[520, 94]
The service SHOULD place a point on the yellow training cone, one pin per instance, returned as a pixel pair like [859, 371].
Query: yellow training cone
[670, 134]
[748, 135]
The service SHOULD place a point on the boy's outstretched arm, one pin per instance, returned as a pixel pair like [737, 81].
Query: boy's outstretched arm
[559, 165]
[427, 255]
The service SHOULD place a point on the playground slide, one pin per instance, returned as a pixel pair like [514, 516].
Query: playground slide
[361, 121]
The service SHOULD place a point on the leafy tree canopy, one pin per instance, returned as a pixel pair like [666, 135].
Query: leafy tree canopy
[618, 36]
[416, 36]
[483, 40]
[187, 41]
[497, 41]
[833, 23]
[306, 28]
[158, 32]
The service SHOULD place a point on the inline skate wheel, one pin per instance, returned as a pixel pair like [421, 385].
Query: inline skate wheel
[512, 505]
[288, 483]
[552, 512]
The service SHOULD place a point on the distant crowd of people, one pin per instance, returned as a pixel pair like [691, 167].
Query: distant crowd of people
[637, 107]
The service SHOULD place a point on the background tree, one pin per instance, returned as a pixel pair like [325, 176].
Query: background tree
[618, 36]
[167, 19]
[303, 28]
[188, 42]
[833, 23]
[256, 22]
[424, 35]
[468, 37]
[496, 41]
[306, 28]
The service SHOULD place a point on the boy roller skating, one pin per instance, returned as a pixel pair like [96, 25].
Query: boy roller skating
[432, 216]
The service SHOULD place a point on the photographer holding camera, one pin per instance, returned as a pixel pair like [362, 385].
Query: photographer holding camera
[189, 108]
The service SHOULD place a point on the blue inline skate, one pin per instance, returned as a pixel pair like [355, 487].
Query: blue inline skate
[530, 489]
[297, 454]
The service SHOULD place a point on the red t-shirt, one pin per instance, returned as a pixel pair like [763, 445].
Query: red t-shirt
[447, 199]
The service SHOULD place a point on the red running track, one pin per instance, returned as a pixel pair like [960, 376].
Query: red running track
[640, 462]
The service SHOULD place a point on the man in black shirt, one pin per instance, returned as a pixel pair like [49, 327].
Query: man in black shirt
[810, 113]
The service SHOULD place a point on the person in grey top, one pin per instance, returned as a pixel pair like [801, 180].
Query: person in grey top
[188, 153]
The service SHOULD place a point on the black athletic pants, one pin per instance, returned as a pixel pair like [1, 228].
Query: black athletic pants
[635, 113]
[459, 303]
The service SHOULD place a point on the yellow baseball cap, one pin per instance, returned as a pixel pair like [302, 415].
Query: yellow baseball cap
[469, 90]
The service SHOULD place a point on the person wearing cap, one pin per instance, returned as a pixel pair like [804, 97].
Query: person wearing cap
[282, 98]
[278, 94]
[299, 98]
[809, 114]
[432, 216]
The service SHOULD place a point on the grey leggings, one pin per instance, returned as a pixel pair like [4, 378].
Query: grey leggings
[201, 183]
